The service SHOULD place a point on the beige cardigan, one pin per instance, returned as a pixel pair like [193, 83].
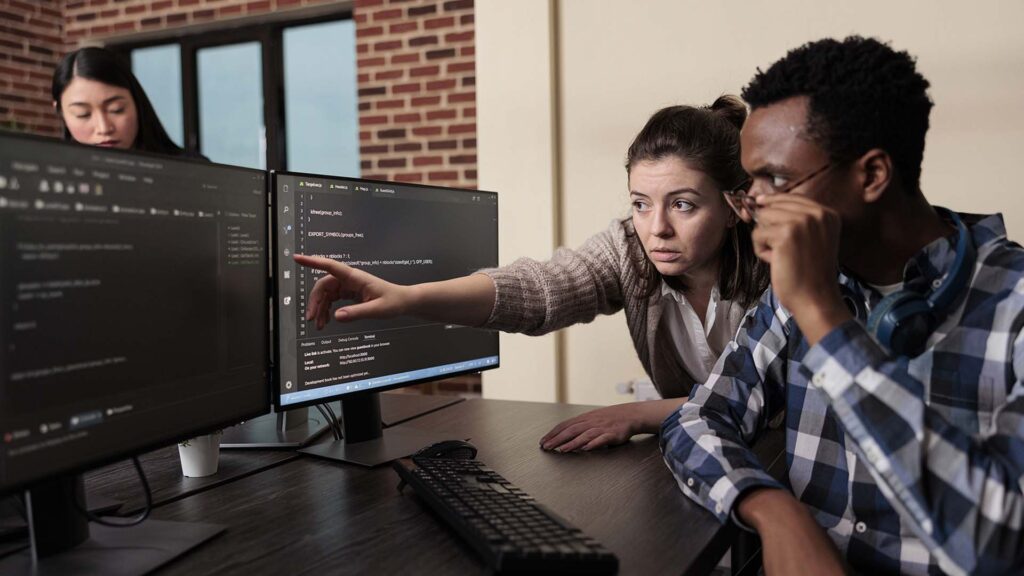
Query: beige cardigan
[575, 286]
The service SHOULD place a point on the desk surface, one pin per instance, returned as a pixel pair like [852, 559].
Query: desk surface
[308, 516]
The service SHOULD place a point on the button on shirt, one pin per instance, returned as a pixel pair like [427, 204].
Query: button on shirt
[912, 466]
[700, 343]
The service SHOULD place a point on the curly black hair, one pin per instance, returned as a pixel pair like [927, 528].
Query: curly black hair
[863, 95]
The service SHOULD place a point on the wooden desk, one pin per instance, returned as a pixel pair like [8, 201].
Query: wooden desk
[312, 516]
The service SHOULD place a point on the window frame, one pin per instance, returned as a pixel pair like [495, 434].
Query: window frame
[269, 34]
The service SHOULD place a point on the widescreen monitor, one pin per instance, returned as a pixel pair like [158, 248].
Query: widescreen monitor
[403, 233]
[133, 291]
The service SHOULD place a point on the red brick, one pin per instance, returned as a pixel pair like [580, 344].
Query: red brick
[365, 164]
[442, 53]
[458, 5]
[441, 85]
[425, 71]
[469, 113]
[471, 174]
[408, 147]
[467, 51]
[203, 14]
[151, 21]
[163, 4]
[443, 145]
[370, 120]
[361, 18]
[428, 161]
[363, 32]
[445, 114]
[422, 10]
[408, 118]
[446, 175]
[466, 19]
[401, 27]
[364, 136]
[426, 101]
[469, 143]
[229, 10]
[468, 81]
[435, 23]
[388, 74]
[373, 91]
[363, 77]
[456, 67]
[390, 104]
[427, 131]
[258, 6]
[392, 163]
[176, 18]
[405, 58]
[368, 62]
[463, 159]
[286, 3]
[458, 37]
[374, 149]
[134, 9]
[187, 2]
[391, 133]
[422, 41]
[368, 3]
[462, 128]
[463, 97]
[387, 45]
[405, 88]
[362, 48]
[409, 177]
[389, 14]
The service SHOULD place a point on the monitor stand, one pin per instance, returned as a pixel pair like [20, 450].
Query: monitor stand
[365, 441]
[64, 542]
[289, 429]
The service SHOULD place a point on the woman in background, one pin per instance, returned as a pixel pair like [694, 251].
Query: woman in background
[100, 102]
[681, 266]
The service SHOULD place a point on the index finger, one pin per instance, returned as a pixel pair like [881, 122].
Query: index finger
[332, 267]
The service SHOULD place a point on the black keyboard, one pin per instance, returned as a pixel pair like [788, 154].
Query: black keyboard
[507, 527]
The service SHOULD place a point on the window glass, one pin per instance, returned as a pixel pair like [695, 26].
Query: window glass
[159, 71]
[321, 111]
[230, 84]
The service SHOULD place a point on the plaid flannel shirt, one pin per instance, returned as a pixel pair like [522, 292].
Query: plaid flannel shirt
[910, 465]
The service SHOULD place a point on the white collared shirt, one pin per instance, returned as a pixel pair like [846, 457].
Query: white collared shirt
[700, 343]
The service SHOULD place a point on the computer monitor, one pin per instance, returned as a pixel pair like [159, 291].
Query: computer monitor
[403, 233]
[134, 313]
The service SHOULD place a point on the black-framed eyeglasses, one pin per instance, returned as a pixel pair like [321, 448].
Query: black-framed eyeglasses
[741, 201]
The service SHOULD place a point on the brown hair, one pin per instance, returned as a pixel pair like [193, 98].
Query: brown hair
[708, 139]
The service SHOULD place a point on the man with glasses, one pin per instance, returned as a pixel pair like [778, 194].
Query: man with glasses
[904, 414]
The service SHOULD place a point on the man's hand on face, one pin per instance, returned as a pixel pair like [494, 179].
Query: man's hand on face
[799, 239]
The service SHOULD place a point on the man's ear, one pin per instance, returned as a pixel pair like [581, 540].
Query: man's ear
[875, 174]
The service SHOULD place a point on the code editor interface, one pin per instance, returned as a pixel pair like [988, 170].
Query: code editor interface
[133, 293]
[402, 233]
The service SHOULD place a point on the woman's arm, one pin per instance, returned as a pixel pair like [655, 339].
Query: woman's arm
[467, 300]
[609, 426]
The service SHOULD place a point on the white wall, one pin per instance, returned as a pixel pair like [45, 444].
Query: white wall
[619, 61]
[515, 151]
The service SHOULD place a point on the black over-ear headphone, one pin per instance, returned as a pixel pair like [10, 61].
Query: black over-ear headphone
[903, 320]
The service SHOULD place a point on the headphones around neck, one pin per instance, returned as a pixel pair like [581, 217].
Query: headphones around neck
[903, 320]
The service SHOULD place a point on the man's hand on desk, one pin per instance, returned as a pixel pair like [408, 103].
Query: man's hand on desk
[791, 541]
[609, 426]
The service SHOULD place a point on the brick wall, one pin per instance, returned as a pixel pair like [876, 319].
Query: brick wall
[416, 66]
[417, 90]
[30, 46]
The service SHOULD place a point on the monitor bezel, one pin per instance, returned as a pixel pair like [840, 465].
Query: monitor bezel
[169, 439]
[277, 256]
